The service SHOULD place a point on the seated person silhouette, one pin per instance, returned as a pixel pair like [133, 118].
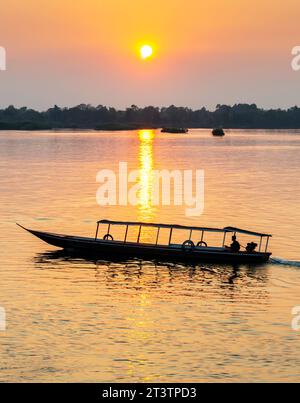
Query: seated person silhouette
[250, 248]
[235, 246]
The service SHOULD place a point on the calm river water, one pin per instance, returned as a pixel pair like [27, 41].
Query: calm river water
[69, 319]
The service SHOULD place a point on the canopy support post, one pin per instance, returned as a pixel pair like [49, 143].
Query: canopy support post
[224, 238]
[267, 244]
[170, 237]
[126, 232]
[260, 244]
[96, 236]
[138, 240]
[157, 236]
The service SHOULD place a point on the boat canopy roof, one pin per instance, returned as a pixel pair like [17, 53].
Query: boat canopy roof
[243, 231]
[182, 227]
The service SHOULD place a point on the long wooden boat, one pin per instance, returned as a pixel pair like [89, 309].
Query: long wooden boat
[189, 250]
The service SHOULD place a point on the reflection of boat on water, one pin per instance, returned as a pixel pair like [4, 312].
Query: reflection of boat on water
[189, 250]
[218, 132]
[180, 130]
[155, 270]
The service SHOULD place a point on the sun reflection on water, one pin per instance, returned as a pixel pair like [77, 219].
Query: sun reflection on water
[146, 164]
[141, 331]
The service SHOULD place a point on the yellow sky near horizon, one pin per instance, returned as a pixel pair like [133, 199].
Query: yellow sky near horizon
[174, 25]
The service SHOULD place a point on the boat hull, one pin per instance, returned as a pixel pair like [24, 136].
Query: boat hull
[91, 247]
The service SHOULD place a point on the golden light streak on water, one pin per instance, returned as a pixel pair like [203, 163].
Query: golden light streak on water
[146, 166]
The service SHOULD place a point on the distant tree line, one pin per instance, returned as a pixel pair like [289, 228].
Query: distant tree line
[101, 117]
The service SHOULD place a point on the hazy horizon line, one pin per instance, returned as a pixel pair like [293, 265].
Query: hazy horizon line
[123, 108]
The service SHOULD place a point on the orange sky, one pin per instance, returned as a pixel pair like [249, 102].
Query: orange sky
[73, 51]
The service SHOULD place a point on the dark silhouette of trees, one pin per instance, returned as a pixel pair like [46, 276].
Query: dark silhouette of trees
[90, 117]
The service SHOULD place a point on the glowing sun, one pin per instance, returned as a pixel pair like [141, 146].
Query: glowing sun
[146, 51]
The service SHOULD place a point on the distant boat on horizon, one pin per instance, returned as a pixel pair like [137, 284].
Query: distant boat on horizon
[174, 130]
[218, 132]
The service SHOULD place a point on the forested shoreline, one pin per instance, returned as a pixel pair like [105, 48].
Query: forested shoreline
[240, 116]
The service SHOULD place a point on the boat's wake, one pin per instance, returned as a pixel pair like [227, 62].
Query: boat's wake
[285, 262]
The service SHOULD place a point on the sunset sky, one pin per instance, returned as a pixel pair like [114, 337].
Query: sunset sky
[68, 52]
